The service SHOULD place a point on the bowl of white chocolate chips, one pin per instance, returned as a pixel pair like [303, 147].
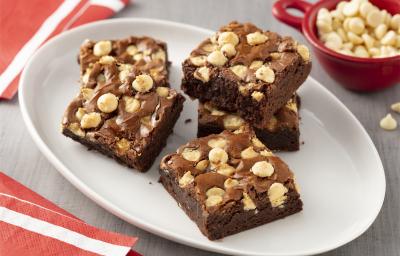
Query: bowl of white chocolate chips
[357, 41]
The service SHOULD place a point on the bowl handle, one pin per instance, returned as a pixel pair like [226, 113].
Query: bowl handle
[279, 10]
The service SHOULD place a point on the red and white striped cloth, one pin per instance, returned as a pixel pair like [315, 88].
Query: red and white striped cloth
[26, 24]
[32, 225]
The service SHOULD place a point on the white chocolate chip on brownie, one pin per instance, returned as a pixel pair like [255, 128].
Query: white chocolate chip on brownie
[262, 169]
[142, 83]
[79, 113]
[225, 169]
[248, 153]
[186, 179]
[266, 153]
[304, 52]
[90, 120]
[198, 60]
[132, 50]
[202, 74]
[102, 48]
[256, 38]
[229, 183]
[228, 38]
[217, 143]
[162, 91]
[248, 203]
[240, 71]
[218, 156]
[232, 122]
[213, 201]
[256, 142]
[191, 154]
[123, 145]
[276, 194]
[256, 64]
[258, 96]
[217, 58]
[106, 60]
[215, 191]
[107, 102]
[229, 50]
[76, 129]
[202, 165]
[131, 104]
[265, 74]
[87, 93]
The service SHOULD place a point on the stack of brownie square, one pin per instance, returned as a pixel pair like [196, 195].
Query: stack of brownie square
[229, 180]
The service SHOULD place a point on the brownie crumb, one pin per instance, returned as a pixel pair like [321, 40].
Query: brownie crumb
[150, 183]
[189, 120]
[302, 143]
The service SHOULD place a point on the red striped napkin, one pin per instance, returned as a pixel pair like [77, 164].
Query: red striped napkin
[32, 225]
[26, 24]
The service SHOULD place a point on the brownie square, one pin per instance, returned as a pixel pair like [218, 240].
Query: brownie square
[281, 132]
[246, 70]
[125, 117]
[145, 54]
[230, 182]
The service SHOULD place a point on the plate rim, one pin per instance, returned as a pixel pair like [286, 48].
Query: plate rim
[119, 212]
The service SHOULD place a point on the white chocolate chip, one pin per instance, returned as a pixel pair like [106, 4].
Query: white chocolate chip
[360, 51]
[266, 153]
[87, 93]
[225, 169]
[228, 49]
[374, 18]
[388, 123]
[198, 60]
[86, 76]
[107, 102]
[389, 38]
[304, 52]
[209, 47]
[256, 142]
[256, 38]
[217, 58]
[123, 75]
[102, 48]
[218, 156]
[258, 96]
[217, 143]
[353, 38]
[248, 203]
[191, 154]
[79, 113]
[324, 27]
[365, 8]
[232, 122]
[229, 183]
[356, 25]
[276, 194]
[76, 129]
[380, 30]
[202, 165]
[142, 83]
[202, 74]
[123, 145]
[186, 179]
[106, 60]
[256, 64]
[262, 169]
[396, 107]
[213, 201]
[334, 41]
[240, 71]
[159, 55]
[215, 191]
[395, 22]
[138, 56]
[248, 153]
[369, 41]
[162, 91]
[132, 50]
[228, 38]
[131, 104]
[351, 8]
[265, 74]
[90, 120]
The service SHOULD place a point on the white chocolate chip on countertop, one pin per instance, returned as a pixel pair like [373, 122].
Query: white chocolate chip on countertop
[388, 123]
[396, 107]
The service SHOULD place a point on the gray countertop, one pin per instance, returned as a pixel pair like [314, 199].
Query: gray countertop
[21, 159]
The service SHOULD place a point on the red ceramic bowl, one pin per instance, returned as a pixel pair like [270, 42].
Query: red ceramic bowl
[358, 74]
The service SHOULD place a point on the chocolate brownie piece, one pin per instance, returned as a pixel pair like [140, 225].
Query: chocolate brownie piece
[281, 132]
[124, 117]
[144, 54]
[230, 182]
[246, 70]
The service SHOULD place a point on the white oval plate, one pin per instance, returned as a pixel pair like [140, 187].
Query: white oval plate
[338, 168]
